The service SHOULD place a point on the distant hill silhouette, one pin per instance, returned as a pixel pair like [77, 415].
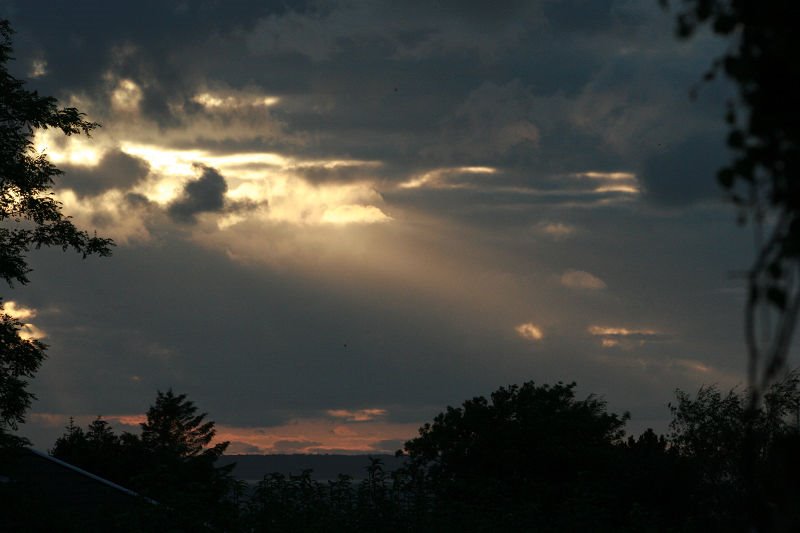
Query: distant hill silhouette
[324, 467]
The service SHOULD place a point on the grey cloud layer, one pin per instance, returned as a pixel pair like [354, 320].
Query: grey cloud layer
[540, 91]
[564, 86]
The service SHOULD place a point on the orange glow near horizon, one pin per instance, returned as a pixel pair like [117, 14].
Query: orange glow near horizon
[344, 431]
[317, 435]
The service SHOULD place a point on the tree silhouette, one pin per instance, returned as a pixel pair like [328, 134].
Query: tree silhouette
[174, 428]
[763, 179]
[521, 458]
[29, 218]
[98, 450]
[20, 358]
[710, 430]
[172, 461]
[178, 460]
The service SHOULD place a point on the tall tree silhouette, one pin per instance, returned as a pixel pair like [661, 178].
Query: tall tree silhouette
[763, 179]
[179, 470]
[29, 218]
[175, 428]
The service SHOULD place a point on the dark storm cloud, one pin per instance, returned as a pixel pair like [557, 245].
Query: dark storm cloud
[491, 121]
[206, 194]
[539, 90]
[189, 318]
[580, 15]
[682, 174]
[116, 170]
[164, 329]
[80, 37]
[414, 85]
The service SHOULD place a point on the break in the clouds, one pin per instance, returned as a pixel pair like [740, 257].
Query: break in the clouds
[678, 175]
[361, 212]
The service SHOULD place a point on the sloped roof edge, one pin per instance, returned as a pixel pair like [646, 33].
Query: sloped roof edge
[90, 475]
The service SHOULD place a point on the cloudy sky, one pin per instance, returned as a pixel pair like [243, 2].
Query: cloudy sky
[333, 219]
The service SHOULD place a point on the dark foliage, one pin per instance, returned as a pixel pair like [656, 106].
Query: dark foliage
[710, 433]
[20, 358]
[525, 458]
[763, 179]
[170, 462]
[29, 218]
[529, 458]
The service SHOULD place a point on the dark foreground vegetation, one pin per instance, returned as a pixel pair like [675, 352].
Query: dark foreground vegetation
[528, 458]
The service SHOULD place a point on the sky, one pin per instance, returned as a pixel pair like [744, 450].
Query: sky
[334, 219]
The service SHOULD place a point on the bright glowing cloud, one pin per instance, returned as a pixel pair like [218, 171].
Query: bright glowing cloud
[268, 179]
[21, 313]
[165, 161]
[219, 101]
[622, 337]
[529, 331]
[579, 279]
[126, 96]
[621, 182]
[74, 150]
[629, 189]
[359, 415]
[613, 176]
[12, 309]
[354, 214]
[335, 163]
[620, 332]
[438, 178]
